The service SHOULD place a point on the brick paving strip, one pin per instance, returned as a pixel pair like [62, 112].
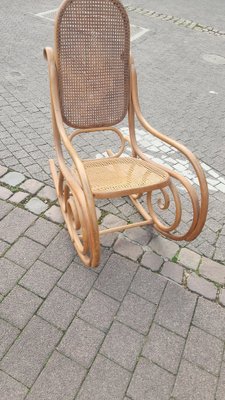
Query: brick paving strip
[176, 20]
[148, 323]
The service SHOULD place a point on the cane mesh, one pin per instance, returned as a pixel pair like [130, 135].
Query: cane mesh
[92, 40]
[125, 174]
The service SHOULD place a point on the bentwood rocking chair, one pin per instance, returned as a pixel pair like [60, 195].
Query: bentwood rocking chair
[93, 86]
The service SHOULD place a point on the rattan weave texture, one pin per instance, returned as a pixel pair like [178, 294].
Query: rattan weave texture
[113, 175]
[92, 46]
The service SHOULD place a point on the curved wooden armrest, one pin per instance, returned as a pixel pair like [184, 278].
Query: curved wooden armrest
[203, 207]
[59, 130]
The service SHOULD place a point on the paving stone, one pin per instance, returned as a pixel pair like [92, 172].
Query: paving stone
[8, 334]
[36, 206]
[139, 235]
[60, 379]
[189, 258]
[194, 383]
[109, 239]
[29, 353]
[10, 388]
[104, 256]
[110, 208]
[222, 297]
[136, 313]
[128, 249]
[173, 271]
[210, 317]
[13, 178]
[54, 214]
[60, 251]
[164, 348]
[19, 306]
[150, 382]
[202, 286]
[106, 380]
[152, 261]
[122, 345]
[176, 309]
[14, 224]
[48, 193]
[127, 210]
[42, 231]
[59, 308]
[148, 285]
[78, 280]
[31, 185]
[164, 247]
[24, 252]
[18, 197]
[3, 170]
[110, 221]
[204, 350]
[40, 278]
[5, 193]
[81, 342]
[116, 276]
[221, 384]
[212, 270]
[98, 309]
[10, 273]
[5, 208]
[3, 247]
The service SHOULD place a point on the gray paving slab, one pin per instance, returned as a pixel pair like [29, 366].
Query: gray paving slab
[59, 308]
[98, 309]
[122, 345]
[105, 380]
[24, 252]
[15, 223]
[40, 278]
[164, 348]
[77, 280]
[148, 285]
[194, 383]
[8, 334]
[5, 208]
[204, 350]
[60, 379]
[210, 317]
[60, 251]
[152, 261]
[10, 273]
[19, 306]
[29, 353]
[42, 231]
[136, 312]
[10, 388]
[158, 387]
[173, 314]
[81, 342]
[116, 277]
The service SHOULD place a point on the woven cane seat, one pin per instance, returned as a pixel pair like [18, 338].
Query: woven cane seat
[114, 177]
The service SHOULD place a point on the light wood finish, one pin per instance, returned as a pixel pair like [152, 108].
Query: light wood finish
[77, 94]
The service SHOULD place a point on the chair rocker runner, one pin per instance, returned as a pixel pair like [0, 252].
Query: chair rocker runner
[93, 86]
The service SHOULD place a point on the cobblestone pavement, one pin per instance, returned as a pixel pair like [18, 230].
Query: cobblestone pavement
[178, 56]
[148, 323]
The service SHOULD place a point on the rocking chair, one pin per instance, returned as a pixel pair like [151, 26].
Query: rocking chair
[93, 86]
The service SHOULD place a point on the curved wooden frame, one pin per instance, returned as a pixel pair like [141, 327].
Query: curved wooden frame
[74, 190]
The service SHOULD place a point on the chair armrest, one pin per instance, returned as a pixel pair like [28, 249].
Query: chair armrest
[59, 130]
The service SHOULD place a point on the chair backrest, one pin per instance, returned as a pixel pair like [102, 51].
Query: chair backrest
[92, 49]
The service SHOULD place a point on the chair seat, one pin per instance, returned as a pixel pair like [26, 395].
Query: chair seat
[113, 177]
